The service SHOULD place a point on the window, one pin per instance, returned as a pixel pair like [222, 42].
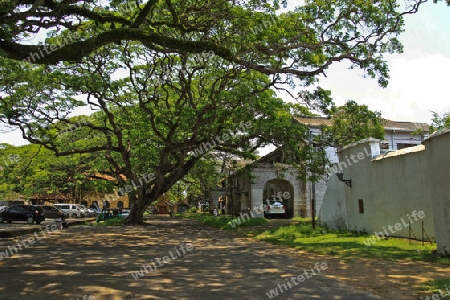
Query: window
[361, 206]
[16, 209]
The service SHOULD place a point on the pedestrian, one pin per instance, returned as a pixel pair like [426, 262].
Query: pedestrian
[59, 221]
[215, 212]
[223, 210]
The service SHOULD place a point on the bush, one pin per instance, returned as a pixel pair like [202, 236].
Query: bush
[248, 223]
[192, 210]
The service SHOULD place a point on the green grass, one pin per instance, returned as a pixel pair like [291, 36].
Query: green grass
[247, 223]
[224, 222]
[321, 240]
[437, 286]
[345, 243]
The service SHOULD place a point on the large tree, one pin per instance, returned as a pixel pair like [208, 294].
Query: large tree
[150, 129]
[171, 81]
[32, 169]
[253, 34]
[352, 122]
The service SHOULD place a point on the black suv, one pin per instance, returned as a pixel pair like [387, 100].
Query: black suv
[29, 213]
[52, 212]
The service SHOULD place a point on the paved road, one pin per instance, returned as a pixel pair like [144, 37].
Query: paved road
[170, 258]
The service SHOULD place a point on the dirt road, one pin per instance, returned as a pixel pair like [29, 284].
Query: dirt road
[170, 258]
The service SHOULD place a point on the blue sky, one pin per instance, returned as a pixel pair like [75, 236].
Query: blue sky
[419, 76]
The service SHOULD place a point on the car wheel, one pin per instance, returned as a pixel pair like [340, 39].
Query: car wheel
[1, 219]
[74, 216]
[9, 221]
[30, 220]
[38, 222]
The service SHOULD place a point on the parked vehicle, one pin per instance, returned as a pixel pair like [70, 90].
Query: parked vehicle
[86, 211]
[74, 210]
[92, 212]
[125, 212]
[274, 208]
[29, 213]
[52, 212]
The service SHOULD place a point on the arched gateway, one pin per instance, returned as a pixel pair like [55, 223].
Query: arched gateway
[282, 191]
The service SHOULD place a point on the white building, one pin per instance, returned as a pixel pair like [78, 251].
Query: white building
[270, 175]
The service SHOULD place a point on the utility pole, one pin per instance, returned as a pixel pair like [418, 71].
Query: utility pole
[313, 190]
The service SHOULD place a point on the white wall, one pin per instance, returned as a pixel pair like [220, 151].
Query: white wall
[437, 154]
[392, 188]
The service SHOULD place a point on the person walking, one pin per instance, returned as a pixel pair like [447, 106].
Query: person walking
[59, 221]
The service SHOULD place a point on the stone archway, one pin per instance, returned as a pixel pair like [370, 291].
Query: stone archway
[283, 191]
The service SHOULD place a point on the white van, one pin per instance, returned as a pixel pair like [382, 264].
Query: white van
[74, 210]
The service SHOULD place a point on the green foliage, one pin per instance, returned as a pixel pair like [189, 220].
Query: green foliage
[166, 78]
[439, 121]
[353, 122]
[248, 223]
[199, 181]
[223, 222]
[192, 210]
[437, 286]
[33, 169]
[212, 221]
[258, 35]
[322, 240]
[174, 130]
[109, 222]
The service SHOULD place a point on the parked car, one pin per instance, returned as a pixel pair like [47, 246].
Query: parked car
[125, 212]
[29, 213]
[52, 212]
[274, 208]
[74, 210]
[86, 211]
[93, 212]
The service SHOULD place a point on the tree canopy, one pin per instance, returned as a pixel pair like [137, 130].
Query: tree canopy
[439, 121]
[32, 169]
[353, 122]
[256, 35]
[170, 82]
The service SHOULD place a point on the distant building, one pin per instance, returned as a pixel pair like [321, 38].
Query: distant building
[267, 177]
[397, 134]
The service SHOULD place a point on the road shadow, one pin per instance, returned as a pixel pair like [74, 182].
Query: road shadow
[122, 263]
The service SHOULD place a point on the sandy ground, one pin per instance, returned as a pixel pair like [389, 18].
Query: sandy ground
[87, 262]
[387, 279]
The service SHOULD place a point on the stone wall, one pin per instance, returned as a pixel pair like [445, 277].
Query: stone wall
[391, 193]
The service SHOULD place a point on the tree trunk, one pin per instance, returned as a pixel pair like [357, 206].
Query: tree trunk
[136, 216]
[139, 202]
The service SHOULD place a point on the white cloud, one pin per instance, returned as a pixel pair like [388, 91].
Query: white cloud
[418, 77]
[416, 86]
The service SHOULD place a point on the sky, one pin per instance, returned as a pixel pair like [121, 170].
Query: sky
[418, 77]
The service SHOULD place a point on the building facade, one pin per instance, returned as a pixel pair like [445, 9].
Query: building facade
[265, 178]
